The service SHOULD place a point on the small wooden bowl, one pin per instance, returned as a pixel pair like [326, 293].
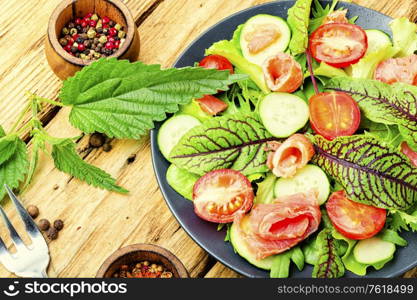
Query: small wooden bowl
[141, 252]
[65, 65]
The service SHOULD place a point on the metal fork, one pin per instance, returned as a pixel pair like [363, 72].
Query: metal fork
[29, 260]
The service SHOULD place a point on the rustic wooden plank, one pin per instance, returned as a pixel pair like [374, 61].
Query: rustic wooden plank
[221, 271]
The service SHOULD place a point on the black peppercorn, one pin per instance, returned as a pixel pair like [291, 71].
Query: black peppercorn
[52, 233]
[79, 28]
[99, 30]
[58, 225]
[97, 140]
[44, 224]
[33, 211]
[71, 25]
[79, 40]
[74, 49]
[112, 23]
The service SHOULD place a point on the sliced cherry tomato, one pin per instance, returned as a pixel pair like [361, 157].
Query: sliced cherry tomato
[216, 62]
[412, 155]
[403, 69]
[354, 220]
[212, 105]
[283, 73]
[219, 195]
[338, 44]
[334, 114]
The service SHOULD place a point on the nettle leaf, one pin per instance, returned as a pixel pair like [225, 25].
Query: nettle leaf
[370, 171]
[235, 142]
[123, 99]
[13, 169]
[383, 103]
[67, 160]
[329, 263]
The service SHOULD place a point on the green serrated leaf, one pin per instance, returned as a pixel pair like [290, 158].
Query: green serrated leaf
[329, 263]
[8, 146]
[67, 160]
[369, 171]
[394, 104]
[122, 99]
[13, 170]
[235, 142]
[320, 13]
[392, 236]
[265, 193]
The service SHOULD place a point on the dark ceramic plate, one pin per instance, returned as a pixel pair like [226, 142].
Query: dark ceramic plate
[204, 233]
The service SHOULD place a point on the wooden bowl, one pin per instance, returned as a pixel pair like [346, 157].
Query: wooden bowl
[141, 252]
[65, 65]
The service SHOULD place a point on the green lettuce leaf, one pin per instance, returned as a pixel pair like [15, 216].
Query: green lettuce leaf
[404, 36]
[194, 109]
[388, 134]
[67, 160]
[281, 265]
[265, 193]
[392, 236]
[394, 104]
[181, 181]
[328, 71]
[350, 261]
[229, 50]
[235, 142]
[298, 19]
[369, 171]
[123, 99]
[329, 264]
[15, 167]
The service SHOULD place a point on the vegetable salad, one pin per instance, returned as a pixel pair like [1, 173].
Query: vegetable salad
[311, 157]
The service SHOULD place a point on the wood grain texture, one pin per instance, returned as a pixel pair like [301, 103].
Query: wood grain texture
[98, 222]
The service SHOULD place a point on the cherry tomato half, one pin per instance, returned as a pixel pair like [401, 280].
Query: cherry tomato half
[354, 220]
[216, 62]
[339, 45]
[334, 114]
[220, 194]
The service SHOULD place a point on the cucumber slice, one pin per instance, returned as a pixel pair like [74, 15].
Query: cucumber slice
[373, 250]
[377, 39]
[283, 114]
[239, 244]
[279, 45]
[308, 178]
[172, 131]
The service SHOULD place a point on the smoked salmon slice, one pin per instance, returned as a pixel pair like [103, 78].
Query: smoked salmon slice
[292, 155]
[282, 73]
[277, 227]
[394, 70]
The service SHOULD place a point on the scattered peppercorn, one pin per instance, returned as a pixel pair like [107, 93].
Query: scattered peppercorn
[131, 158]
[44, 224]
[52, 233]
[58, 224]
[107, 147]
[142, 270]
[97, 140]
[33, 211]
[88, 33]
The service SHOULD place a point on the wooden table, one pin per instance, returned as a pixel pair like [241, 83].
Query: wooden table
[98, 222]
